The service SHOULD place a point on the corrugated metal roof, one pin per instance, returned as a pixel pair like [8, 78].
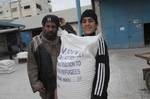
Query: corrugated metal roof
[8, 30]
[7, 26]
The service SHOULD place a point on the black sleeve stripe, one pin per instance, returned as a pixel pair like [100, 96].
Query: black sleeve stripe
[100, 80]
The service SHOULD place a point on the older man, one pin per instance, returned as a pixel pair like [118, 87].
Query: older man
[42, 58]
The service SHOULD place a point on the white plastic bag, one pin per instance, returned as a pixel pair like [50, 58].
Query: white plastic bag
[76, 66]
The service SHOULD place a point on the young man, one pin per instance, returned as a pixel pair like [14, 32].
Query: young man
[42, 58]
[89, 25]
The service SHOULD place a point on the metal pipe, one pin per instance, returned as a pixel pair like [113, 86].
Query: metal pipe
[78, 16]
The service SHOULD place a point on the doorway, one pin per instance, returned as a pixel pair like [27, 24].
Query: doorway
[147, 33]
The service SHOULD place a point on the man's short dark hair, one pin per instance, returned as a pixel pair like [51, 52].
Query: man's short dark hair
[50, 18]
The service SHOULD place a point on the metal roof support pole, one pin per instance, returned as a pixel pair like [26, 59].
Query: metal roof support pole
[78, 16]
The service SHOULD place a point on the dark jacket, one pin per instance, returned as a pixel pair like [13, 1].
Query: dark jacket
[102, 75]
[42, 61]
[102, 71]
[45, 66]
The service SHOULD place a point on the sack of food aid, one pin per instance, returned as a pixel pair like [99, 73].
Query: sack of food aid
[76, 66]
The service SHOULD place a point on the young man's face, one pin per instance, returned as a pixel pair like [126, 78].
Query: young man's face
[50, 29]
[89, 25]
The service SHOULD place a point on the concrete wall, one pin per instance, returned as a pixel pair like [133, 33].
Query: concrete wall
[7, 8]
[34, 22]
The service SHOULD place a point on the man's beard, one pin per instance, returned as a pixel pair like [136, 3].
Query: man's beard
[50, 35]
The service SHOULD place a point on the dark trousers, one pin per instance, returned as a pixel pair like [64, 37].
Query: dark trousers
[47, 95]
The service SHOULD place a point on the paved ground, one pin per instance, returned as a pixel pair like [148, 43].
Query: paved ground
[16, 85]
[126, 78]
[126, 81]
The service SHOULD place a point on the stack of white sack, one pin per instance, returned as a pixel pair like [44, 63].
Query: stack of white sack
[7, 66]
[22, 55]
[76, 66]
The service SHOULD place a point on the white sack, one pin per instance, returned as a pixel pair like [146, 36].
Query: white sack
[61, 32]
[7, 66]
[22, 55]
[76, 66]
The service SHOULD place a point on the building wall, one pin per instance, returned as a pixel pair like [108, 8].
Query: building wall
[123, 22]
[15, 10]
[35, 21]
[24, 8]
[5, 11]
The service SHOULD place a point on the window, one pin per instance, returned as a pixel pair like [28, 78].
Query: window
[50, 10]
[49, 1]
[16, 18]
[38, 6]
[27, 7]
[28, 16]
[13, 9]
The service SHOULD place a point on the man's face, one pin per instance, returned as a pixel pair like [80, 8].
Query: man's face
[88, 25]
[50, 29]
